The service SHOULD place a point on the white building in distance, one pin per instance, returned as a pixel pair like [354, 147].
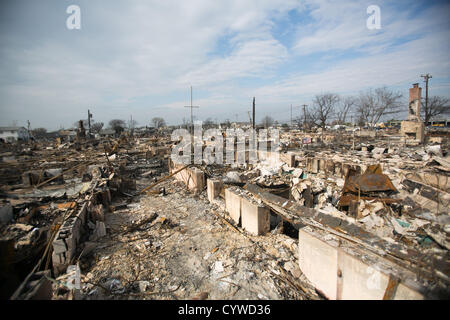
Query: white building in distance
[11, 134]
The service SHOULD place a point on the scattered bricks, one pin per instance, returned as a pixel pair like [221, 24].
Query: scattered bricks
[67, 238]
[214, 188]
[233, 203]
[255, 217]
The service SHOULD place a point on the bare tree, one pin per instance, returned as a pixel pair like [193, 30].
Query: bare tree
[436, 106]
[117, 125]
[208, 123]
[372, 105]
[345, 106]
[96, 127]
[323, 108]
[158, 122]
[38, 132]
[267, 121]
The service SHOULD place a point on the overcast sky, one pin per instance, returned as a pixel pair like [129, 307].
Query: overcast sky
[140, 57]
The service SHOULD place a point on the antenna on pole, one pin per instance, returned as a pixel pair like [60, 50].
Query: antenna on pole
[192, 107]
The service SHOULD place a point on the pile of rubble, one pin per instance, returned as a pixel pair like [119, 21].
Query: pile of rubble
[336, 218]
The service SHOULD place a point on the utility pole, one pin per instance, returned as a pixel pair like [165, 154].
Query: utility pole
[192, 107]
[304, 114]
[426, 78]
[253, 118]
[28, 128]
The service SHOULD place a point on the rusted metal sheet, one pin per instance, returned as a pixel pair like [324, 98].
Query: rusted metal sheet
[372, 180]
[363, 186]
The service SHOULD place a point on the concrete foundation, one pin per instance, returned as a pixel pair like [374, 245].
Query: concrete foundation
[214, 188]
[233, 204]
[341, 275]
[193, 178]
[255, 217]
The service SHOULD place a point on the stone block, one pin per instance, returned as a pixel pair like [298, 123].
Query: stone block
[255, 218]
[233, 204]
[198, 180]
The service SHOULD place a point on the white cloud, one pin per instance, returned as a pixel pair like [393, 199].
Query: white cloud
[141, 57]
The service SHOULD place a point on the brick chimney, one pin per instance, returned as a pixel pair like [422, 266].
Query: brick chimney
[415, 95]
